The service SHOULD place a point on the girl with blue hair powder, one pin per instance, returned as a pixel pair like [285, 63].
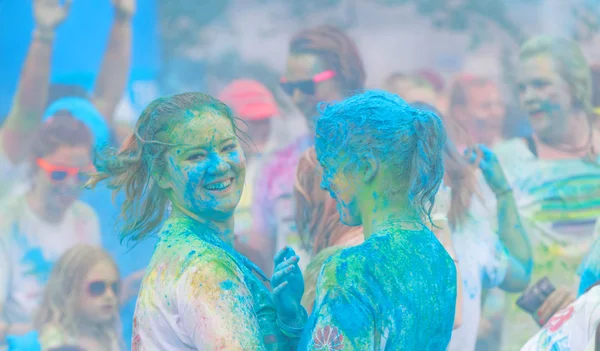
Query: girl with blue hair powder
[382, 162]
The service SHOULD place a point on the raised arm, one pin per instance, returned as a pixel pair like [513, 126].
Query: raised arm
[114, 72]
[32, 93]
[511, 232]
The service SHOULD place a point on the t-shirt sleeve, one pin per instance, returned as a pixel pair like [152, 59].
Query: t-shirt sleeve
[341, 320]
[216, 308]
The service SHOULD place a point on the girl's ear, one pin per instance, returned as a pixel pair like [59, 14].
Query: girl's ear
[370, 168]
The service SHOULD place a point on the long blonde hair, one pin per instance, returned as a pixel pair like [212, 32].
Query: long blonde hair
[60, 303]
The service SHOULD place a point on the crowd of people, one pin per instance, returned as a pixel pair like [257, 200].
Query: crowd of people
[426, 214]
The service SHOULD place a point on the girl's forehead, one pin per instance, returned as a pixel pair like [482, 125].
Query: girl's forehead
[200, 128]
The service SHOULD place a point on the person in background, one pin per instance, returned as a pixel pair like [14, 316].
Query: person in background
[254, 105]
[412, 87]
[80, 305]
[490, 241]
[382, 163]
[557, 189]
[323, 65]
[35, 95]
[575, 327]
[477, 110]
[38, 227]
[32, 97]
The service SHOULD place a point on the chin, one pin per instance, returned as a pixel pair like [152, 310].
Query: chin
[351, 221]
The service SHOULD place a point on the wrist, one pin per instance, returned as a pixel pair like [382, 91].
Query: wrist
[504, 192]
[293, 326]
[44, 34]
[122, 15]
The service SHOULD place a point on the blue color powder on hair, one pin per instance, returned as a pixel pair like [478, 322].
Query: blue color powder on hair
[397, 290]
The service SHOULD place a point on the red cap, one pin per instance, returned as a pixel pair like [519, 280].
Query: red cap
[249, 100]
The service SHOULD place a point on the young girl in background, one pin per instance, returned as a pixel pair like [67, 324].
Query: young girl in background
[80, 306]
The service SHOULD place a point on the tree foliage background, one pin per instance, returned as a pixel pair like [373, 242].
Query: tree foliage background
[182, 20]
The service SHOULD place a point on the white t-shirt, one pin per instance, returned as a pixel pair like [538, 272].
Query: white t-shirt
[483, 262]
[28, 249]
[571, 329]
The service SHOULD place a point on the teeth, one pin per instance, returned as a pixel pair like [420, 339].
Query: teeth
[218, 186]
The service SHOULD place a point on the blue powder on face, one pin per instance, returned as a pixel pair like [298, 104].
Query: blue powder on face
[408, 141]
[227, 285]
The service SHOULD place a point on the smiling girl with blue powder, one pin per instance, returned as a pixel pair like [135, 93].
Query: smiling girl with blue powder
[382, 162]
[198, 293]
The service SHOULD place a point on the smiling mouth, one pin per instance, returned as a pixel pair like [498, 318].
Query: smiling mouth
[219, 186]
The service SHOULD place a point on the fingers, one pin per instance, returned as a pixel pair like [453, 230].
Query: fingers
[278, 289]
[470, 155]
[281, 255]
[486, 153]
[284, 269]
[67, 5]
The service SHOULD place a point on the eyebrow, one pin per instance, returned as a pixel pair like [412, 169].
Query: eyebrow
[204, 147]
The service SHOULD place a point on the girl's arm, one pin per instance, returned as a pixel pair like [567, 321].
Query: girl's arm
[114, 72]
[30, 100]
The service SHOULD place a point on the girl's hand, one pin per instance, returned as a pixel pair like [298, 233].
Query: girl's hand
[125, 8]
[288, 287]
[490, 167]
[49, 14]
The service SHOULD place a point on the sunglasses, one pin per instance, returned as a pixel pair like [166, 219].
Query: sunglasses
[98, 288]
[61, 173]
[308, 86]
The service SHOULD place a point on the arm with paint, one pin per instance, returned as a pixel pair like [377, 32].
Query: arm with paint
[340, 320]
[114, 72]
[32, 92]
[216, 308]
[511, 232]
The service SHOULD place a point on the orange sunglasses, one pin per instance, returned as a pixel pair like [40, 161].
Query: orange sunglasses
[61, 173]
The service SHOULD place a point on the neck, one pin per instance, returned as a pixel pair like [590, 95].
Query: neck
[88, 329]
[379, 212]
[574, 137]
[224, 228]
[38, 206]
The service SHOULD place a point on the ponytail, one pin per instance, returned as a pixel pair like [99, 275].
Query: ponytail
[427, 168]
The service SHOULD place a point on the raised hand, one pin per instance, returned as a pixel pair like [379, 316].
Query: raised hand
[288, 286]
[125, 8]
[490, 167]
[49, 14]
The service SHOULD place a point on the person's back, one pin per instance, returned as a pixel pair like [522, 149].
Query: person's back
[395, 291]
